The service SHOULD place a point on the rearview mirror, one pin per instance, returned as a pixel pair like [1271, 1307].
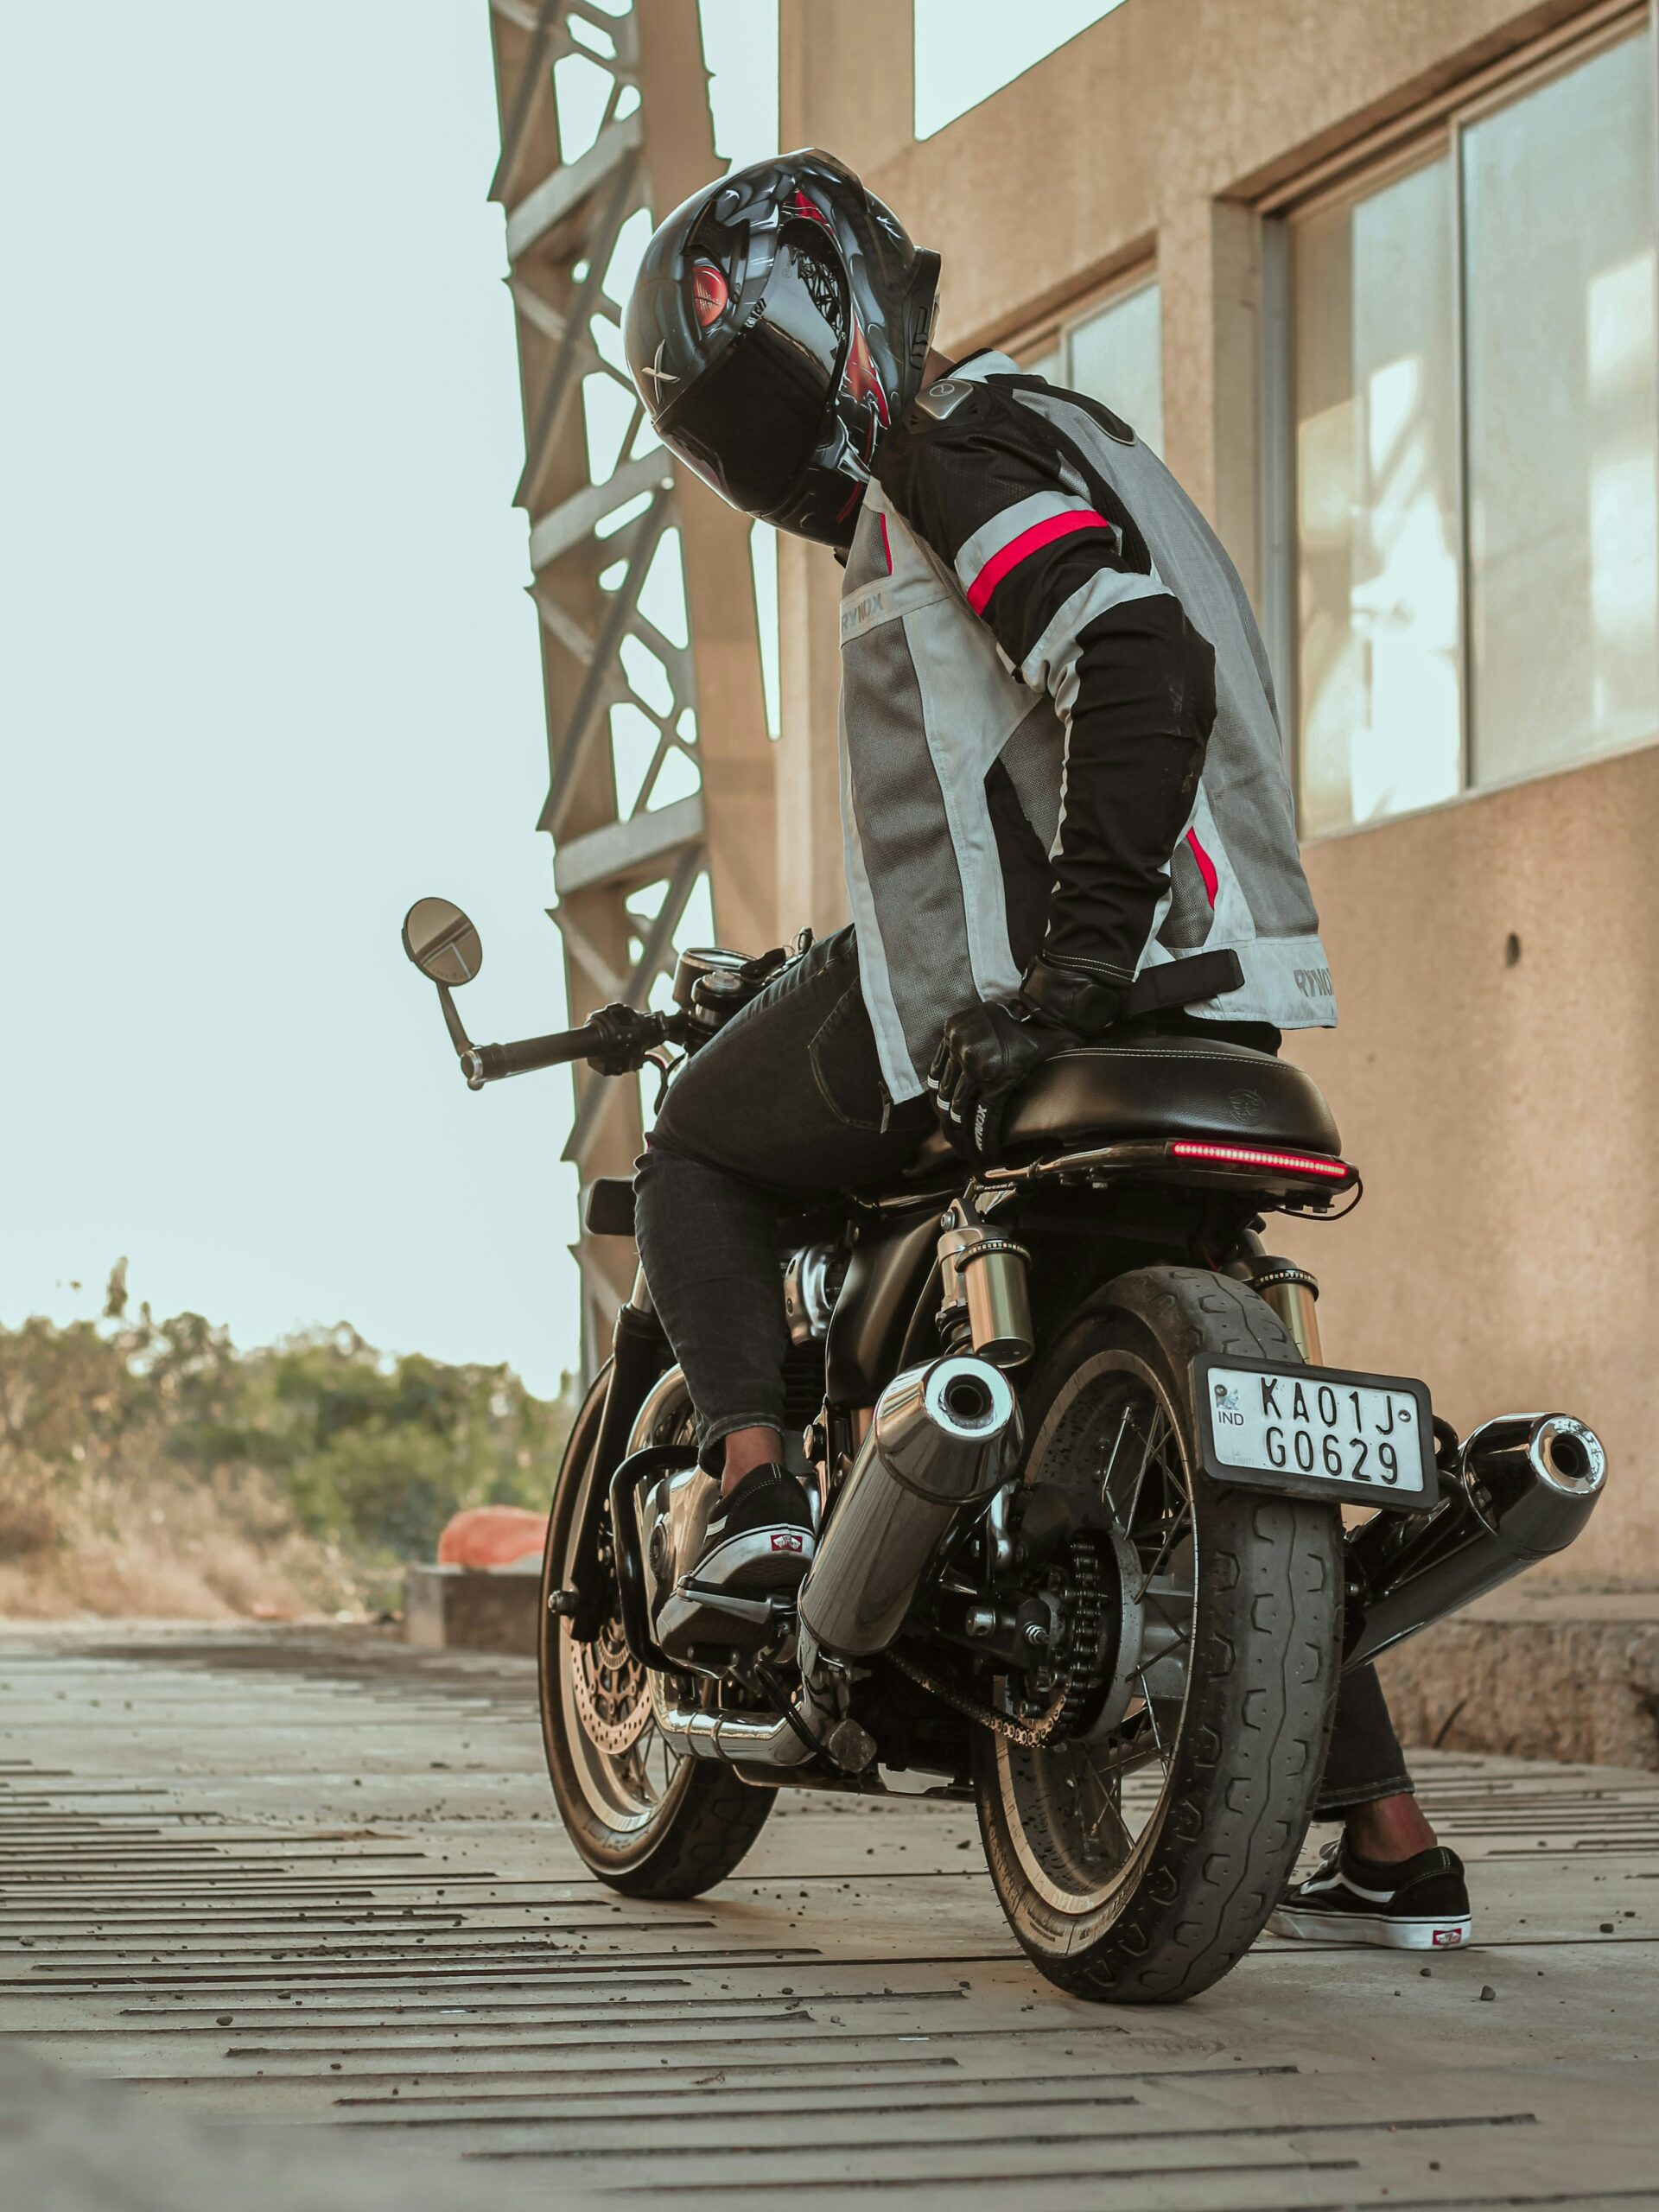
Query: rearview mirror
[442, 942]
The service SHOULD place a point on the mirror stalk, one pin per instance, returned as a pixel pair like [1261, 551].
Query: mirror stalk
[451, 1021]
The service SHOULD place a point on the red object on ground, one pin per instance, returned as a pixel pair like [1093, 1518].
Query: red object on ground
[492, 1536]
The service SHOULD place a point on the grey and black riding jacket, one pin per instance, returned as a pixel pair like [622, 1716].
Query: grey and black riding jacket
[1058, 734]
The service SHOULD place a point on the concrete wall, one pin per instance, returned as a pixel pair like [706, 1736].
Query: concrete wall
[1503, 1115]
[1500, 1109]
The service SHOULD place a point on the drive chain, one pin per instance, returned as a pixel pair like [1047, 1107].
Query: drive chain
[1085, 1612]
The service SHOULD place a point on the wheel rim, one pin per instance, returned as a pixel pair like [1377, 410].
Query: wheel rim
[1083, 1816]
[625, 1769]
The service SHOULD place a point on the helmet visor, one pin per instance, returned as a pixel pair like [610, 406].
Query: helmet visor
[752, 421]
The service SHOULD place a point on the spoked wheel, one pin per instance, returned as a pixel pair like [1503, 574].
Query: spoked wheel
[1138, 1851]
[644, 1818]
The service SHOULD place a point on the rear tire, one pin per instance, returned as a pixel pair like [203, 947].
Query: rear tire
[646, 1821]
[1113, 1895]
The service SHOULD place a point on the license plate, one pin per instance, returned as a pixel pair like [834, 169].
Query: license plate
[1319, 1432]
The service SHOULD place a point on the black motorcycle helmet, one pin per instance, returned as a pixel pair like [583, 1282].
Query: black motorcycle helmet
[779, 323]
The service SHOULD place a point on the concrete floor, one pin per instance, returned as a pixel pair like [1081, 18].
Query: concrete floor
[311, 1882]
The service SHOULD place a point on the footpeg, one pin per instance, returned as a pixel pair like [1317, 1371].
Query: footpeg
[690, 1619]
[761, 1611]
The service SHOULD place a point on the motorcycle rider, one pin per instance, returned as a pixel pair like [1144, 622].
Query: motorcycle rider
[1065, 810]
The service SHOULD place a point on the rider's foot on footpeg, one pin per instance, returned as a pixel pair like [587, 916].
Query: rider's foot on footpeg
[758, 1539]
[756, 1548]
[1420, 1903]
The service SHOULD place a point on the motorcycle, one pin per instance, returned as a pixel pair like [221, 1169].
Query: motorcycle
[1079, 1476]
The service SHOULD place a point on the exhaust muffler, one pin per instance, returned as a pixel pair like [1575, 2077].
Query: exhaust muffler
[1520, 1489]
[942, 1441]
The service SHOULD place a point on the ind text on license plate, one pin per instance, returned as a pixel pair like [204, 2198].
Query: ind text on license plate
[1318, 1432]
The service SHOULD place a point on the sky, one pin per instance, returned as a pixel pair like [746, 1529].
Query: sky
[268, 671]
[966, 49]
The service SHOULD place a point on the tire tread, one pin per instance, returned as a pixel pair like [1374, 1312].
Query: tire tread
[1265, 1675]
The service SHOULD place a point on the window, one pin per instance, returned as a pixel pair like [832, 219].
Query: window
[1475, 442]
[1115, 354]
[1377, 505]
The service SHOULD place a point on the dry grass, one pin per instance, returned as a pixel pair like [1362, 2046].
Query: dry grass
[161, 1549]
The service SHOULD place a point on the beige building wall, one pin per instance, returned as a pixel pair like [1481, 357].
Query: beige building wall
[1497, 959]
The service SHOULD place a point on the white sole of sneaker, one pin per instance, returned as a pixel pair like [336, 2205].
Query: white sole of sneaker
[1388, 1933]
[774, 1558]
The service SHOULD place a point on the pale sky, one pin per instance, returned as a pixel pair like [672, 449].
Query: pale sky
[268, 672]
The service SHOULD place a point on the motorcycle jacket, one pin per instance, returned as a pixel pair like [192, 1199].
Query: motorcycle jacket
[1059, 744]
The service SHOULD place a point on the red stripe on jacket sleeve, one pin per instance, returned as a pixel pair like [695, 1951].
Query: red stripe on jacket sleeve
[1021, 549]
[1206, 865]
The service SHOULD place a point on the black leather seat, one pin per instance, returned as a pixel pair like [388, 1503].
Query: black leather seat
[1165, 1087]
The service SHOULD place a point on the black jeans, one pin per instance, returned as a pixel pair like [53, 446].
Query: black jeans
[785, 1107]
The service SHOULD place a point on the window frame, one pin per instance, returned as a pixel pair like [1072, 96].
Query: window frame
[1433, 134]
[1031, 340]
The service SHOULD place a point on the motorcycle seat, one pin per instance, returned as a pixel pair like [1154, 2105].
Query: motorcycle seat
[1170, 1086]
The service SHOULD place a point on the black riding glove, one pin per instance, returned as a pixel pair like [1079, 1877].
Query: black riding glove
[987, 1052]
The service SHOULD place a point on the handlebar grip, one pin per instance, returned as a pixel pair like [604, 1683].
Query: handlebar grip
[485, 1062]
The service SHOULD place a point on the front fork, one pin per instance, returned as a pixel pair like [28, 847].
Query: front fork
[639, 1355]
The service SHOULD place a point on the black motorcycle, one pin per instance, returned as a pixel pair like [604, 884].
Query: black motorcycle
[1079, 1474]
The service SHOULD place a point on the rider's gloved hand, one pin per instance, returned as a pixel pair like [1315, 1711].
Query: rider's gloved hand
[988, 1051]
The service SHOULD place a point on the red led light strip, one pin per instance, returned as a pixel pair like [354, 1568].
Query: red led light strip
[1296, 1163]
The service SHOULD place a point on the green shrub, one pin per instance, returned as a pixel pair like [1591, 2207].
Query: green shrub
[365, 1454]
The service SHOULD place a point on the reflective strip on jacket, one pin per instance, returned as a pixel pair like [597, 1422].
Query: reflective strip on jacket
[1000, 557]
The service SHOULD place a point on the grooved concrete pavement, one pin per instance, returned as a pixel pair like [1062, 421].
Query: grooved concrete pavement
[303, 1892]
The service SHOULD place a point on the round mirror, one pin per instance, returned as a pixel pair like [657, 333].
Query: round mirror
[442, 942]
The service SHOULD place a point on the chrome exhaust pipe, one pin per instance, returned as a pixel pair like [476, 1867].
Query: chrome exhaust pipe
[942, 1442]
[748, 1739]
[811, 1727]
[1521, 1489]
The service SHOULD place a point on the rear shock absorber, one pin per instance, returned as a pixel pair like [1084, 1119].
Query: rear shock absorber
[1292, 1292]
[985, 1290]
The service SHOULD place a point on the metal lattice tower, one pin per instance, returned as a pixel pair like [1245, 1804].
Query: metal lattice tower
[660, 775]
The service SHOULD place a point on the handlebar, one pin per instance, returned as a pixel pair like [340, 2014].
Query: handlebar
[614, 1041]
[487, 1063]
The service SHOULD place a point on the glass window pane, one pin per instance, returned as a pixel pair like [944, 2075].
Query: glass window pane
[1376, 504]
[1559, 278]
[1117, 358]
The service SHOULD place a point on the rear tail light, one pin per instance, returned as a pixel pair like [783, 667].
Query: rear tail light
[1276, 1163]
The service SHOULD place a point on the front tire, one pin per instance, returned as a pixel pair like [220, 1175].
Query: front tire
[644, 1820]
[1138, 1859]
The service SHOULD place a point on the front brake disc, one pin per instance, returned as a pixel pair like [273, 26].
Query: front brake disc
[612, 1690]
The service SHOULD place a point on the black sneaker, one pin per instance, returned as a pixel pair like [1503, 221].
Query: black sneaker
[757, 1545]
[758, 1539]
[1412, 1904]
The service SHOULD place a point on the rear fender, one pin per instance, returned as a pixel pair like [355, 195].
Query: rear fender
[885, 1276]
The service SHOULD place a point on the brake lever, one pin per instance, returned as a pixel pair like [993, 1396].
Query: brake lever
[665, 1066]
